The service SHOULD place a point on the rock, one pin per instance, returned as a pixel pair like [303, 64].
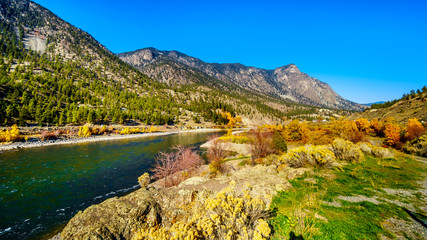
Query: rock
[115, 218]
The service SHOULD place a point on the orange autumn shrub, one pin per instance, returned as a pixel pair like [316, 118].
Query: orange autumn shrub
[320, 136]
[414, 129]
[392, 135]
[347, 130]
[363, 125]
[377, 127]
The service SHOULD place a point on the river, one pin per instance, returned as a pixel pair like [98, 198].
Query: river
[42, 188]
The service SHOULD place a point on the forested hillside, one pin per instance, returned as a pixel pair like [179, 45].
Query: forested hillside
[54, 73]
[72, 78]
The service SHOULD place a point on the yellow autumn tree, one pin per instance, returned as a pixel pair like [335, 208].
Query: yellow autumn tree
[296, 131]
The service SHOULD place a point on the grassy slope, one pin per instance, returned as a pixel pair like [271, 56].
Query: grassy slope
[401, 111]
[308, 209]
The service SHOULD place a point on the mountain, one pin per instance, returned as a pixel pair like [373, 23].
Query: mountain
[287, 82]
[370, 104]
[54, 73]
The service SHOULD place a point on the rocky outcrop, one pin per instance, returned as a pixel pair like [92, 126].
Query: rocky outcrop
[119, 218]
[286, 82]
[115, 218]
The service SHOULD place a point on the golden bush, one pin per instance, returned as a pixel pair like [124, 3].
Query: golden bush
[392, 134]
[414, 129]
[223, 216]
[347, 151]
[306, 156]
[10, 135]
[363, 125]
[296, 131]
[380, 152]
[84, 131]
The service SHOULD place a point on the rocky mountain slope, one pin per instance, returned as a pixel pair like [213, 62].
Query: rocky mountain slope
[286, 82]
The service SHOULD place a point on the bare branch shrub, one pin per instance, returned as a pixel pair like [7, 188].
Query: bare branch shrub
[168, 164]
[45, 135]
[216, 155]
[215, 151]
[262, 144]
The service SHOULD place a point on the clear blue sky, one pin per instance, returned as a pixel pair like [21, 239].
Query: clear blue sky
[365, 50]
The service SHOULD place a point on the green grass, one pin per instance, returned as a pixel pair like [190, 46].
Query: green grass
[360, 220]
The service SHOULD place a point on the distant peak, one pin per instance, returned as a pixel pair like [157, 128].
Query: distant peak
[292, 68]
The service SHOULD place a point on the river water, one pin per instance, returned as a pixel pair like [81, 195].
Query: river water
[42, 188]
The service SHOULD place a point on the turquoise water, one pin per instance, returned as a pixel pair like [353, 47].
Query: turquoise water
[42, 188]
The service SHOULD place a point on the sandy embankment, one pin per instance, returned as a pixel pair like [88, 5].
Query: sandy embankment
[31, 144]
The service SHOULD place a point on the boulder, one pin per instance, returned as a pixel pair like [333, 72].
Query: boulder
[115, 218]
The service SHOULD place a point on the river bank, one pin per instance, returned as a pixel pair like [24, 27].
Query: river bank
[39, 143]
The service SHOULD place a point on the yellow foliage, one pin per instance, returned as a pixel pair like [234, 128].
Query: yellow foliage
[240, 139]
[308, 156]
[127, 130]
[363, 125]
[296, 131]
[232, 121]
[153, 129]
[84, 131]
[223, 216]
[347, 151]
[10, 135]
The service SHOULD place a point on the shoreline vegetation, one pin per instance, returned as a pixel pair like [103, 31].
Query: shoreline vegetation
[75, 140]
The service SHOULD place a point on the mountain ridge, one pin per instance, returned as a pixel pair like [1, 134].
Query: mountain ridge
[285, 82]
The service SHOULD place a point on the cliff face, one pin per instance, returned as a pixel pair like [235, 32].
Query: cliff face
[286, 82]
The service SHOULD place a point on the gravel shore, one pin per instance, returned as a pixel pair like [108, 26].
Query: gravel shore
[38, 143]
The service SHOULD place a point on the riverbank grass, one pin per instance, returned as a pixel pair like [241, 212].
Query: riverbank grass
[356, 201]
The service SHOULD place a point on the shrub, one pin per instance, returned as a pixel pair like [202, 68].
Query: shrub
[392, 135]
[305, 156]
[377, 127]
[239, 139]
[380, 152]
[215, 150]
[85, 131]
[10, 135]
[366, 148]
[45, 135]
[223, 216]
[347, 151]
[144, 180]
[179, 159]
[127, 130]
[279, 143]
[363, 125]
[417, 146]
[216, 155]
[262, 144]
[320, 137]
[414, 129]
[296, 131]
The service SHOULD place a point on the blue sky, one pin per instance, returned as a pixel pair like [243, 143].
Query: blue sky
[366, 51]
